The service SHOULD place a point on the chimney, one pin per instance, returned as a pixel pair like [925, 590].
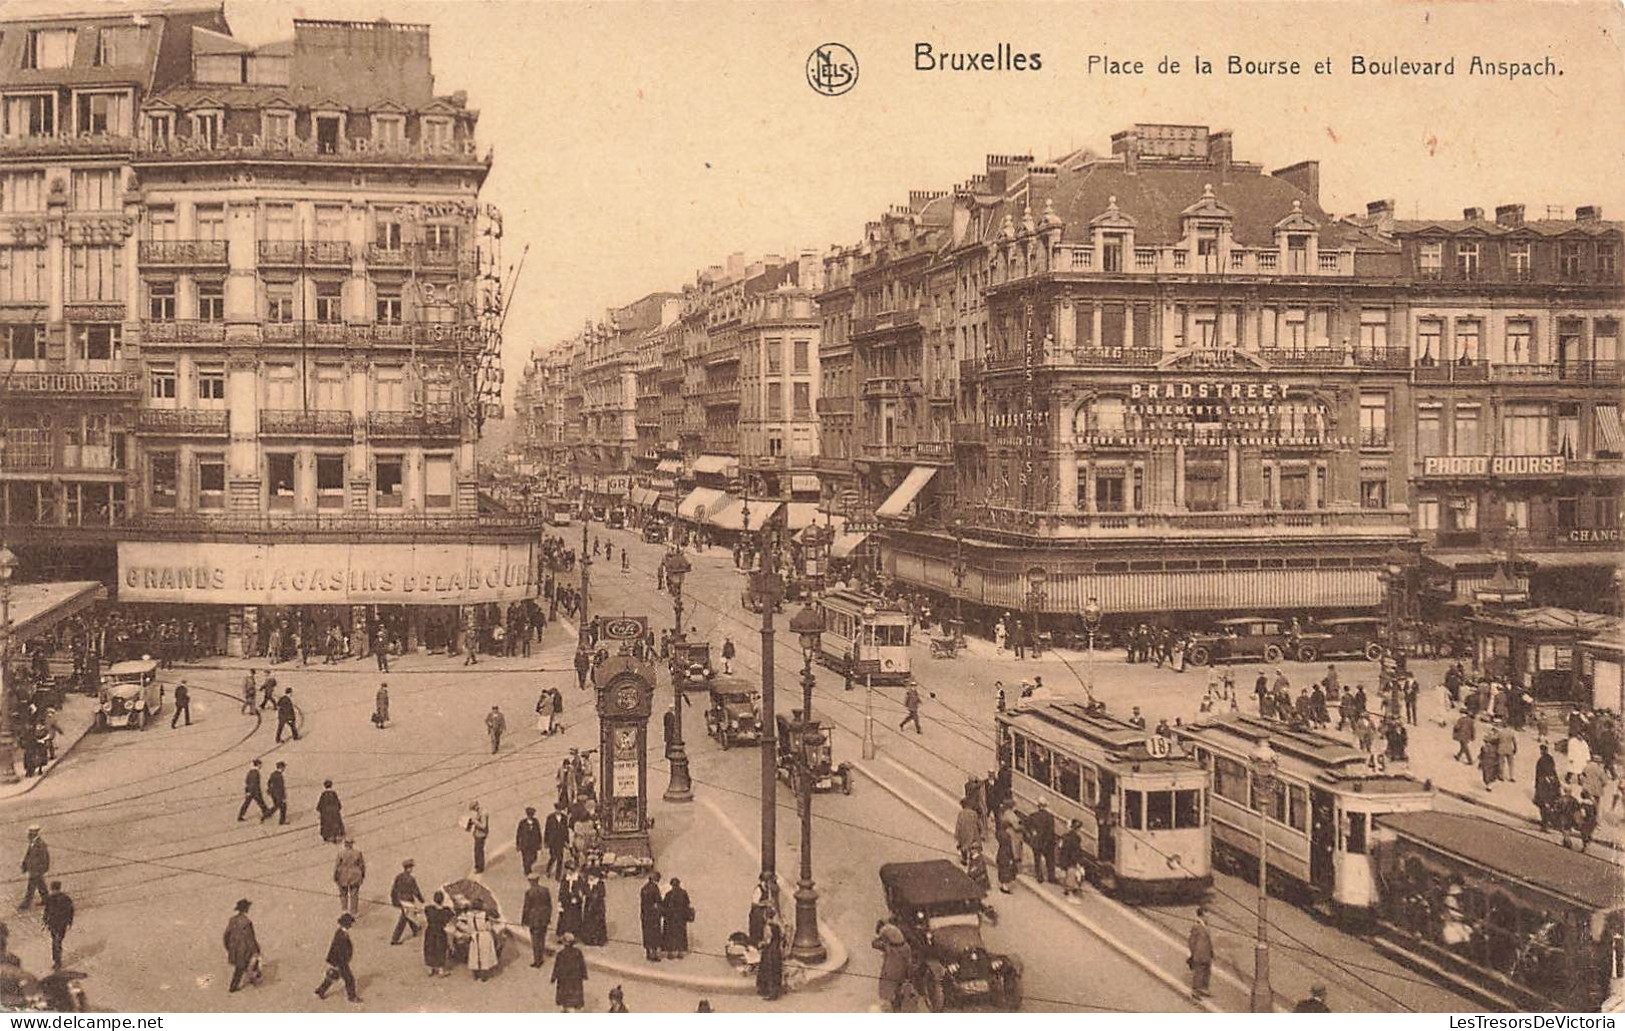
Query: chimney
[1473, 214]
[1220, 153]
[1379, 208]
[772, 260]
[1305, 175]
[1588, 213]
[1127, 144]
[1509, 214]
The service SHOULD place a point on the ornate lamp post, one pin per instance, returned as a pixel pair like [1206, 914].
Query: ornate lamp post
[865, 632]
[1091, 624]
[808, 624]
[767, 589]
[586, 561]
[8, 740]
[1037, 577]
[1264, 766]
[679, 788]
[959, 577]
[1393, 578]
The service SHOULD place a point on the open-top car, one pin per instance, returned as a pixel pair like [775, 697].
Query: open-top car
[939, 910]
[1251, 637]
[130, 695]
[735, 713]
[691, 666]
[797, 739]
[1339, 638]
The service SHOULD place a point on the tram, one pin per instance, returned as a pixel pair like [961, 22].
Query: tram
[866, 635]
[1538, 925]
[1142, 800]
[1322, 806]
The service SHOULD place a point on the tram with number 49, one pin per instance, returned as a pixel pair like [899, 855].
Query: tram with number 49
[867, 636]
[1142, 799]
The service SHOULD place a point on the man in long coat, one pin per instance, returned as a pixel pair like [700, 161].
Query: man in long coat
[556, 835]
[1548, 788]
[528, 838]
[570, 975]
[349, 870]
[478, 822]
[241, 944]
[536, 914]
[252, 795]
[1200, 959]
[276, 786]
[675, 911]
[36, 864]
[286, 715]
[339, 954]
[649, 916]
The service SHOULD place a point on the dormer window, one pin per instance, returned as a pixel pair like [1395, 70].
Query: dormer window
[1467, 260]
[1111, 252]
[120, 45]
[1297, 254]
[277, 127]
[1430, 259]
[160, 126]
[31, 115]
[388, 131]
[206, 127]
[436, 133]
[49, 48]
[101, 114]
[329, 129]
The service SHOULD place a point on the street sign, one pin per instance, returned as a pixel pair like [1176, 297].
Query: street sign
[866, 667]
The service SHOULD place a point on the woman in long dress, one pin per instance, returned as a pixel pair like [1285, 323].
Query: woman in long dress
[1007, 859]
[594, 912]
[436, 917]
[544, 714]
[328, 807]
[482, 942]
[676, 912]
[570, 902]
[770, 969]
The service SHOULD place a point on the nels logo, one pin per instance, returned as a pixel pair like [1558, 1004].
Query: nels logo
[832, 69]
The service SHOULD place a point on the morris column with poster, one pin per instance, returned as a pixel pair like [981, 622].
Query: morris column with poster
[625, 700]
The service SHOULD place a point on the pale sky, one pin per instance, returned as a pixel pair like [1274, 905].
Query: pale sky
[638, 142]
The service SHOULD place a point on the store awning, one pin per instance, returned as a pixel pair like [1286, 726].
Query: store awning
[905, 494]
[1465, 559]
[667, 506]
[798, 515]
[36, 608]
[1571, 559]
[663, 486]
[643, 497]
[670, 466]
[733, 517]
[700, 502]
[846, 543]
[716, 465]
[1610, 436]
[804, 483]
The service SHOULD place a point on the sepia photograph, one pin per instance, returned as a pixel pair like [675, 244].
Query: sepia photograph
[520, 507]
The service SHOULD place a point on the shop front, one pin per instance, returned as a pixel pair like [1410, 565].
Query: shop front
[1538, 649]
[281, 599]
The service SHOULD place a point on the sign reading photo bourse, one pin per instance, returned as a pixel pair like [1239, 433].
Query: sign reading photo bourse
[210, 573]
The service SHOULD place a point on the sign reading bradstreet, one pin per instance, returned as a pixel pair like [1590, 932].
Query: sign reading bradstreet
[325, 574]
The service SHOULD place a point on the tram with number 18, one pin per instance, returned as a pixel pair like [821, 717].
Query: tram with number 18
[1141, 798]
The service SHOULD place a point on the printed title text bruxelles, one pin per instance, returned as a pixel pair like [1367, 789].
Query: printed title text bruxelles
[1004, 57]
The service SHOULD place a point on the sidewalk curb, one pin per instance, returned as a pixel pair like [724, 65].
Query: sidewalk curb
[1525, 823]
[30, 783]
[1088, 925]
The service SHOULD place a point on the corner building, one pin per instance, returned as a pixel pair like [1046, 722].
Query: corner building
[1180, 391]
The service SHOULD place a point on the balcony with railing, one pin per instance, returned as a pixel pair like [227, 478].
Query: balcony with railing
[1308, 523]
[183, 253]
[1237, 261]
[884, 322]
[720, 394]
[297, 422]
[1480, 371]
[925, 452]
[1077, 357]
[310, 332]
[969, 369]
[183, 421]
[1337, 357]
[183, 331]
[416, 333]
[891, 386]
[435, 421]
[304, 253]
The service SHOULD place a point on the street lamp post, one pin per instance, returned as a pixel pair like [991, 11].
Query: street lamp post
[1037, 577]
[8, 740]
[1264, 766]
[866, 632]
[679, 788]
[586, 560]
[1091, 624]
[959, 577]
[1394, 582]
[767, 590]
[808, 624]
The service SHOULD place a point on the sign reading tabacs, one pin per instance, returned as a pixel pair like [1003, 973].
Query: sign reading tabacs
[325, 574]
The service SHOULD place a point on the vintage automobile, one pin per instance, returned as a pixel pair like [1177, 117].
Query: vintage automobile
[615, 519]
[939, 910]
[748, 602]
[691, 667]
[654, 533]
[131, 695]
[1251, 637]
[1338, 638]
[735, 712]
[812, 740]
[560, 517]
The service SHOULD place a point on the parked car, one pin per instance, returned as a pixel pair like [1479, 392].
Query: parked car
[1337, 638]
[131, 695]
[1251, 637]
[735, 713]
[796, 740]
[939, 910]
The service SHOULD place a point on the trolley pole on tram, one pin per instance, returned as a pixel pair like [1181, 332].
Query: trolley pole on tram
[1264, 766]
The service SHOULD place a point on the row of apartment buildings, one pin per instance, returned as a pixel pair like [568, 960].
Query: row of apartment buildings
[1169, 380]
[246, 311]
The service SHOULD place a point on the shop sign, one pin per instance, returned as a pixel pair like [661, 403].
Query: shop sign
[625, 784]
[613, 485]
[1495, 465]
[1594, 537]
[73, 383]
[210, 573]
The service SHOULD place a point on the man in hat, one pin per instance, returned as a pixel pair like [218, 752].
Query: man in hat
[252, 794]
[339, 954]
[403, 893]
[478, 823]
[1200, 959]
[1316, 1003]
[276, 785]
[1040, 832]
[242, 946]
[286, 715]
[58, 918]
[617, 998]
[496, 725]
[349, 870]
[183, 705]
[36, 864]
[1136, 720]
[556, 835]
[536, 915]
[528, 838]
[248, 693]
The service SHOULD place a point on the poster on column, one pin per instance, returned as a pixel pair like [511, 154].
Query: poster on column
[220, 573]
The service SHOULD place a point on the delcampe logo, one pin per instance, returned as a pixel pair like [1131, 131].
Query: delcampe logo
[832, 69]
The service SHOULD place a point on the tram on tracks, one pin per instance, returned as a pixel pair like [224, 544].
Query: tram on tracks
[866, 635]
[1318, 818]
[1538, 925]
[1142, 799]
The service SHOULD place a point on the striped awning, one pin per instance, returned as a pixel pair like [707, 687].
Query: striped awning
[798, 515]
[907, 491]
[733, 517]
[643, 497]
[846, 543]
[1609, 435]
[716, 465]
[670, 466]
[701, 502]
